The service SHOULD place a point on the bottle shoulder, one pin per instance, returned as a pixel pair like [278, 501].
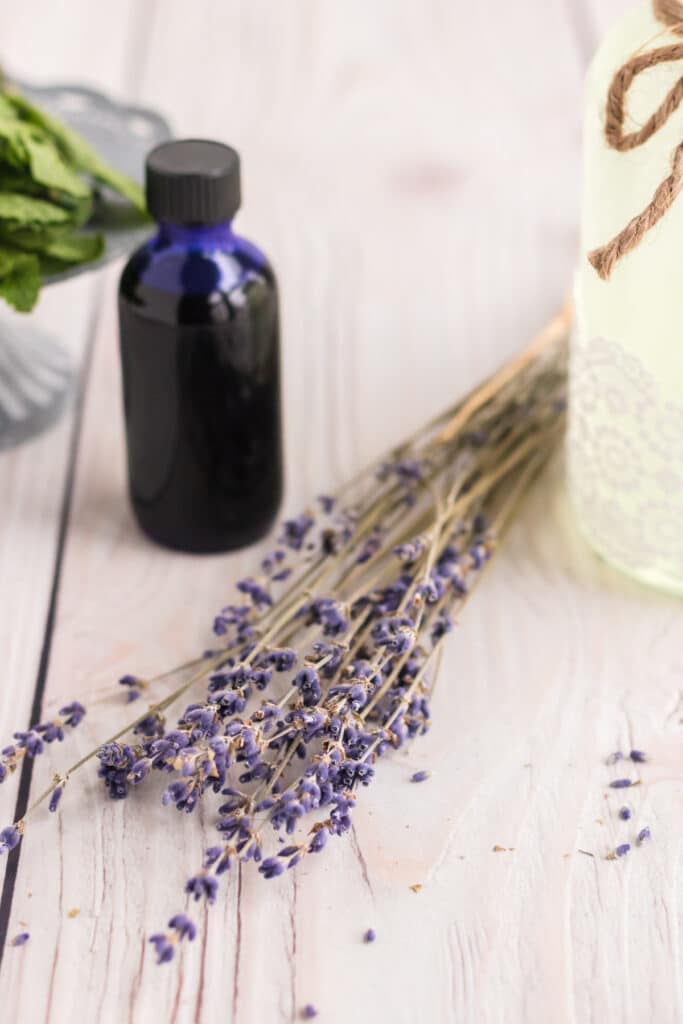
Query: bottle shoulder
[160, 265]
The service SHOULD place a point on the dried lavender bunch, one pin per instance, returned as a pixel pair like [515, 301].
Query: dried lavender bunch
[327, 659]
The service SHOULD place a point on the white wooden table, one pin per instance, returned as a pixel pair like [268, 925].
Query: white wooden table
[412, 166]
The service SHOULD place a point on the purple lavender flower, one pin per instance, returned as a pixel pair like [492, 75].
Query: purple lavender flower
[621, 783]
[55, 798]
[389, 600]
[420, 776]
[624, 813]
[163, 947]
[410, 551]
[154, 724]
[271, 867]
[370, 547]
[21, 939]
[73, 714]
[307, 683]
[309, 1012]
[327, 503]
[295, 531]
[318, 841]
[397, 635]
[638, 756]
[442, 625]
[370, 935]
[183, 926]
[9, 838]
[232, 617]
[282, 659]
[479, 555]
[134, 685]
[258, 593]
[165, 943]
[219, 858]
[408, 471]
[271, 562]
[330, 614]
[622, 850]
[332, 654]
[31, 742]
[116, 761]
[644, 836]
[202, 885]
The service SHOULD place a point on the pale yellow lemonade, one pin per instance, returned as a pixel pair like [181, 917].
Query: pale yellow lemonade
[626, 388]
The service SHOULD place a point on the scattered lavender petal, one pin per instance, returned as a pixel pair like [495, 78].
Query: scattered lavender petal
[644, 835]
[420, 776]
[21, 939]
[638, 756]
[55, 798]
[621, 783]
[309, 1012]
[624, 813]
[622, 850]
[613, 758]
[9, 838]
[370, 935]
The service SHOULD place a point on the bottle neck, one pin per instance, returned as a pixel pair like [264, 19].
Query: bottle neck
[200, 236]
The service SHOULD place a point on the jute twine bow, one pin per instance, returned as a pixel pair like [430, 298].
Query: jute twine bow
[670, 13]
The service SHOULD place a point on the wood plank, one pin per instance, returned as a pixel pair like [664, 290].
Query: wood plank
[34, 478]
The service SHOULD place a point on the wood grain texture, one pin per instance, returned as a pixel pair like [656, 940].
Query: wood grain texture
[419, 201]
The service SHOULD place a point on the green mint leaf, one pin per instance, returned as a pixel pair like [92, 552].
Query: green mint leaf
[29, 210]
[19, 280]
[80, 248]
[80, 153]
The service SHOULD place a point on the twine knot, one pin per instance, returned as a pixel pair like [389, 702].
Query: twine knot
[670, 13]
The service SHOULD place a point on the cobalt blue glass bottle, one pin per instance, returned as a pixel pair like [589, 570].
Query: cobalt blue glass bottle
[198, 314]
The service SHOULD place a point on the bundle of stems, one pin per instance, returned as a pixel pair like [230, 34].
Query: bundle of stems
[328, 659]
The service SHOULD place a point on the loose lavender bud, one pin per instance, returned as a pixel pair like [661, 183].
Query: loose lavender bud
[309, 1012]
[9, 838]
[134, 686]
[622, 850]
[621, 783]
[638, 756]
[644, 835]
[370, 935]
[55, 798]
[295, 530]
[624, 813]
[21, 939]
[613, 758]
[420, 776]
